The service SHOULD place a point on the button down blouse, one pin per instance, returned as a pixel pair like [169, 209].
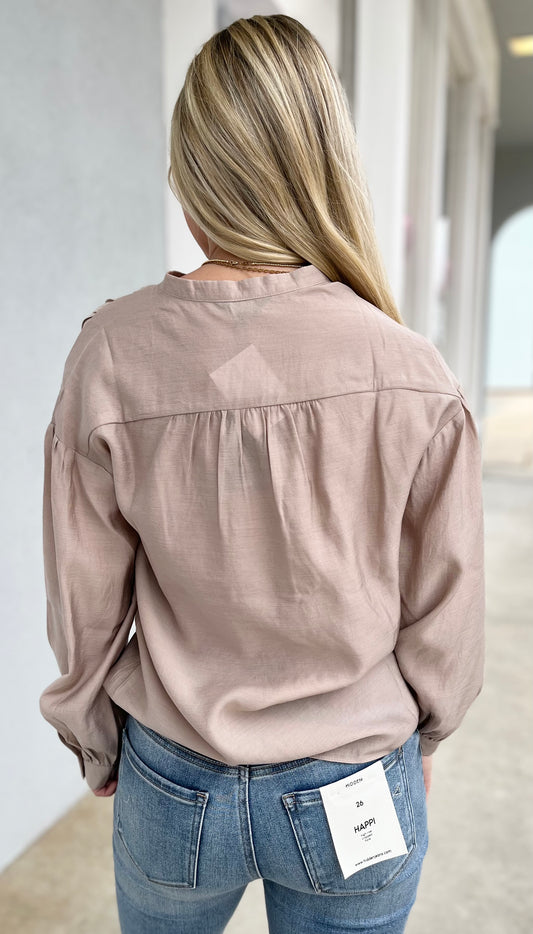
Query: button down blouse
[279, 488]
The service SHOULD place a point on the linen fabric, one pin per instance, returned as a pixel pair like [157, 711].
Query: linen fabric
[280, 489]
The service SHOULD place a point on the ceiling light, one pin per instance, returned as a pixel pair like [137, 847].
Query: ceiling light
[520, 45]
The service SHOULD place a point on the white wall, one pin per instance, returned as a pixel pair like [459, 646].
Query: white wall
[179, 45]
[82, 185]
[382, 114]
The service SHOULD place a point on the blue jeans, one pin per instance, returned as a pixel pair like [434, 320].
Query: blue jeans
[190, 832]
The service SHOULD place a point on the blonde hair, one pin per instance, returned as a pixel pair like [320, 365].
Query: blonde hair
[264, 158]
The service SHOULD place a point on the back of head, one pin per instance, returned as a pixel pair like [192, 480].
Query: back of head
[264, 158]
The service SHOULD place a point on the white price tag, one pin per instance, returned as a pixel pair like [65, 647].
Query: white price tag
[362, 819]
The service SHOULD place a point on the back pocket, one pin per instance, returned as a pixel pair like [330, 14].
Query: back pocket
[313, 836]
[158, 821]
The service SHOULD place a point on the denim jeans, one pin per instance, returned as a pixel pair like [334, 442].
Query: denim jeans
[190, 832]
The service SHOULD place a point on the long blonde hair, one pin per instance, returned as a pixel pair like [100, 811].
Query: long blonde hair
[264, 158]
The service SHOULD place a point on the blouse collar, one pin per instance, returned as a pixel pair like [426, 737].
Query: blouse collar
[227, 290]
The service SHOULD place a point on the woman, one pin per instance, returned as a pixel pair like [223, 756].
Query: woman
[281, 483]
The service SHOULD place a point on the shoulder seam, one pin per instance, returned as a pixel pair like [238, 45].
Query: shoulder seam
[447, 422]
[80, 453]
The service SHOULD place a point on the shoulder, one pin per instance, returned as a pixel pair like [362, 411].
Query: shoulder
[404, 358]
[88, 391]
[88, 318]
[99, 327]
[121, 307]
[413, 385]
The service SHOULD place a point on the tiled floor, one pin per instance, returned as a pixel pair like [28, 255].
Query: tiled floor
[477, 874]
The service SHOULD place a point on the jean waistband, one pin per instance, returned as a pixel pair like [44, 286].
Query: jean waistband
[132, 725]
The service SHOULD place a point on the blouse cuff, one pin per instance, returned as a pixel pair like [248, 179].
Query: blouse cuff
[428, 744]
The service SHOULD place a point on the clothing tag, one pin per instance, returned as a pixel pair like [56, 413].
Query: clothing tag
[362, 819]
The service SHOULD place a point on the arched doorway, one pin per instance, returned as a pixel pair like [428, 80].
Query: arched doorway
[508, 423]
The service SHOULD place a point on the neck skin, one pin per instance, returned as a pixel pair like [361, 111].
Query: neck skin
[213, 251]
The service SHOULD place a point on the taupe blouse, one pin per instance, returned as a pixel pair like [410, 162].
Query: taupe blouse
[282, 488]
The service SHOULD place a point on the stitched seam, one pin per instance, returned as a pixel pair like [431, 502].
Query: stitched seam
[204, 763]
[81, 454]
[447, 422]
[426, 449]
[232, 301]
[267, 405]
[175, 795]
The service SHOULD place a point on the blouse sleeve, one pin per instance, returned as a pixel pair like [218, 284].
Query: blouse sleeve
[89, 557]
[441, 642]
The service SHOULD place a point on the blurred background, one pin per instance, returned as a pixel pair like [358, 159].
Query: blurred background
[441, 93]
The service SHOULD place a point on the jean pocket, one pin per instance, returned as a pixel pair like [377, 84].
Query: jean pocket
[313, 836]
[158, 822]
